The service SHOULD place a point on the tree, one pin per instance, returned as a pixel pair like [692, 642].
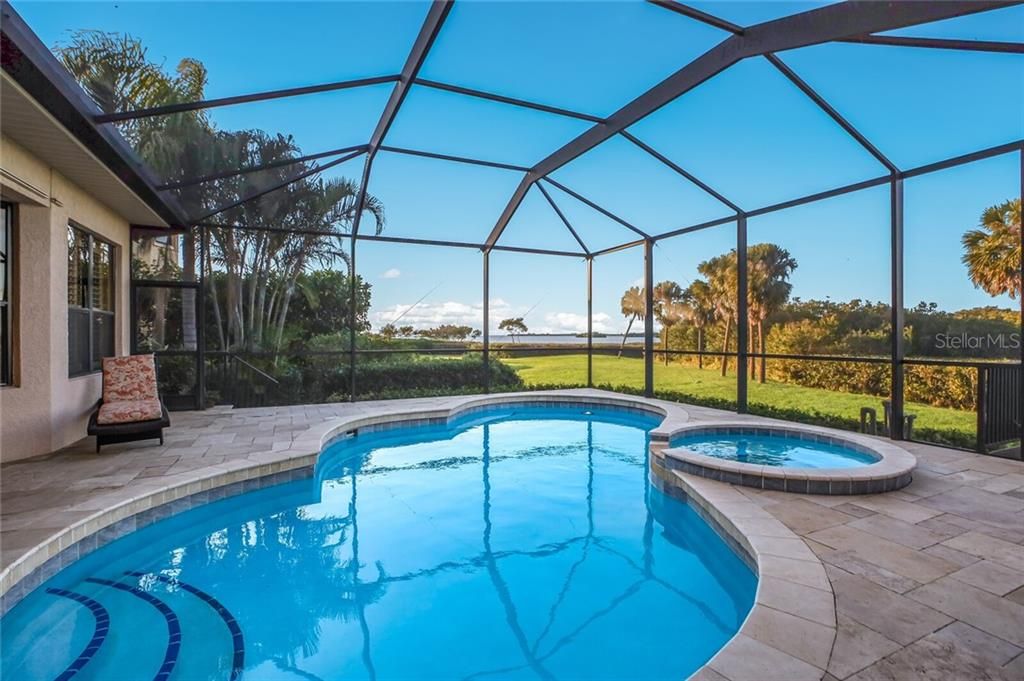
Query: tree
[768, 267]
[514, 326]
[720, 273]
[992, 252]
[447, 332]
[698, 309]
[322, 307]
[405, 331]
[262, 266]
[668, 308]
[634, 307]
[388, 331]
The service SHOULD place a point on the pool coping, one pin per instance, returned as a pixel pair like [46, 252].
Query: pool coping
[112, 518]
[892, 470]
[791, 628]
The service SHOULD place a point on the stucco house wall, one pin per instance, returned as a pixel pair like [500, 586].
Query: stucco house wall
[45, 409]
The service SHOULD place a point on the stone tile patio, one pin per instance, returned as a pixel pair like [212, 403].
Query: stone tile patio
[928, 580]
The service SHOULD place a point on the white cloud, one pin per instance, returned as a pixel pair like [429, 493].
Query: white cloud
[429, 314]
[573, 322]
[393, 273]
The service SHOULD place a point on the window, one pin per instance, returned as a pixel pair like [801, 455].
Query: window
[6, 274]
[90, 301]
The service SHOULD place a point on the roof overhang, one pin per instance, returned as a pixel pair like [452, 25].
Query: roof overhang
[43, 109]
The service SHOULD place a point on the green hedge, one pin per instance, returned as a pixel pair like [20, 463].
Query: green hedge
[389, 378]
[809, 415]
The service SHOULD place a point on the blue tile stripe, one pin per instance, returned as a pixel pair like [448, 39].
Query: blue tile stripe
[237, 640]
[173, 625]
[99, 634]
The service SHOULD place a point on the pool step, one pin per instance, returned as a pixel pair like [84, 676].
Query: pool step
[140, 587]
[102, 617]
[173, 624]
[237, 639]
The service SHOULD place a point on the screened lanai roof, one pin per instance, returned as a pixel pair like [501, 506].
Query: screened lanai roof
[570, 127]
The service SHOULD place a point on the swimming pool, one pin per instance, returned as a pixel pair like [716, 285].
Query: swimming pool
[521, 542]
[776, 449]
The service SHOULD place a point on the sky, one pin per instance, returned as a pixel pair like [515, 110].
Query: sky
[748, 133]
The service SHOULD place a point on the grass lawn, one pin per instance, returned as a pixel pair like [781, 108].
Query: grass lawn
[626, 371]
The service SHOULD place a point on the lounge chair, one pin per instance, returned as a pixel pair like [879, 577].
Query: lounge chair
[130, 408]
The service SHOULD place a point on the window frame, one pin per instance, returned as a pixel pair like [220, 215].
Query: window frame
[7, 298]
[92, 312]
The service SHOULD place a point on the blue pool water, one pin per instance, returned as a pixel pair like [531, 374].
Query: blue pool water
[774, 450]
[525, 544]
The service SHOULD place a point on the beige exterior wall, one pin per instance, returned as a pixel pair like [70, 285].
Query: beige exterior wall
[45, 410]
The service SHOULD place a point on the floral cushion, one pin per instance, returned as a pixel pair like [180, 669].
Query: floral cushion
[128, 411]
[129, 378]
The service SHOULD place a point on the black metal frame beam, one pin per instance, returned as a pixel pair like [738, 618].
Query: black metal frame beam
[590, 321]
[394, 239]
[896, 308]
[868, 39]
[832, 113]
[436, 15]
[963, 159]
[603, 211]
[490, 96]
[487, 320]
[255, 169]
[679, 170]
[703, 17]
[821, 25]
[697, 227]
[939, 43]
[1021, 415]
[182, 107]
[451, 157]
[648, 318]
[620, 247]
[279, 185]
[791, 75]
[565, 220]
[742, 316]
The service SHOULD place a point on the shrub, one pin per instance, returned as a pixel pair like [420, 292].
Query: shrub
[390, 377]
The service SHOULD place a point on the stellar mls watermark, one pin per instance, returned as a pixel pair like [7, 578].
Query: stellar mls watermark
[969, 341]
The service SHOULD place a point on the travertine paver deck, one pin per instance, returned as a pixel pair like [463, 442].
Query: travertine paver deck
[928, 580]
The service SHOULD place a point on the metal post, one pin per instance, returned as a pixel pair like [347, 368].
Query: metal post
[487, 321]
[742, 321]
[1020, 340]
[590, 321]
[353, 298]
[981, 404]
[204, 254]
[648, 318]
[897, 311]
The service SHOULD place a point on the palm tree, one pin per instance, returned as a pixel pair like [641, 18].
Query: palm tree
[698, 309]
[261, 267]
[721, 274]
[768, 267]
[667, 308]
[633, 306]
[992, 252]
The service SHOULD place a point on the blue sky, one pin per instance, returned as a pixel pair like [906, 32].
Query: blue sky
[748, 133]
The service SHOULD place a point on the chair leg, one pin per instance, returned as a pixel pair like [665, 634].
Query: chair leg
[97, 444]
